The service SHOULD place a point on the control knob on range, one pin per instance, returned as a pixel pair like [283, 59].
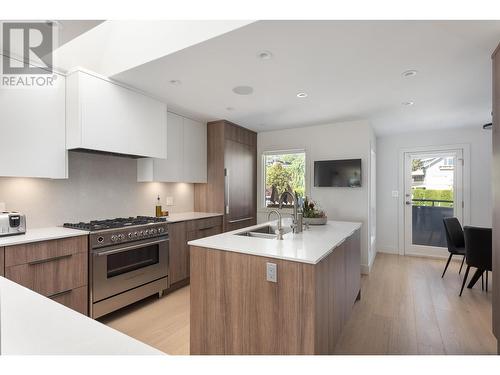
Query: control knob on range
[130, 235]
[154, 231]
[121, 236]
[161, 230]
[114, 238]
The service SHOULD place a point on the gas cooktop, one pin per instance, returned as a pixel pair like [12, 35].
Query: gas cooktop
[96, 225]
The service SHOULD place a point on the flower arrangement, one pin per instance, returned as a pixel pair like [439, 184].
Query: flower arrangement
[310, 209]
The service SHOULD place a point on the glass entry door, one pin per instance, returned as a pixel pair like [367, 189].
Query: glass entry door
[433, 191]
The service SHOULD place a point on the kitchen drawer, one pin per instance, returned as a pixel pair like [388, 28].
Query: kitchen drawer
[76, 299]
[44, 250]
[203, 224]
[51, 276]
[2, 261]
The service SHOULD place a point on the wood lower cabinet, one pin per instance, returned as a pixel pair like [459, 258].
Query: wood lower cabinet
[2, 264]
[57, 269]
[180, 234]
[231, 186]
[496, 195]
[235, 310]
[178, 252]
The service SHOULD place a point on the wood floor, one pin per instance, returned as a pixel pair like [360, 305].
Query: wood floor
[405, 308]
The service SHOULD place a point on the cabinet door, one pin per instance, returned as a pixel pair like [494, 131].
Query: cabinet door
[32, 131]
[195, 151]
[114, 118]
[171, 168]
[178, 253]
[240, 184]
[2, 264]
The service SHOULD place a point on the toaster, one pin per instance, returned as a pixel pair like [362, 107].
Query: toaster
[12, 223]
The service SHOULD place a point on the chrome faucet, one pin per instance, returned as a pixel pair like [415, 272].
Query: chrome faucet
[297, 216]
[279, 231]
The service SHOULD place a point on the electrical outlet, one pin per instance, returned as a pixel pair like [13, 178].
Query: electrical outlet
[2, 206]
[395, 194]
[271, 272]
[170, 201]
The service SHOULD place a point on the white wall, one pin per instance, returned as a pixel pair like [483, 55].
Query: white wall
[388, 177]
[99, 187]
[347, 140]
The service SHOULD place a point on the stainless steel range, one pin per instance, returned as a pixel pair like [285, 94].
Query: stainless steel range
[128, 261]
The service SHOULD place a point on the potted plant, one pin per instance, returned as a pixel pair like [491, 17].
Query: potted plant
[312, 215]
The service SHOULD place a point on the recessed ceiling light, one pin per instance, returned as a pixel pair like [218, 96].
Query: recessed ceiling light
[229, 109]
[175, 82]
[243, 90]
[408, 103]
[265, 55]
[409, 73]
[302, 95]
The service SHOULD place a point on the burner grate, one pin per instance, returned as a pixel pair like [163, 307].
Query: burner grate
[120, 222]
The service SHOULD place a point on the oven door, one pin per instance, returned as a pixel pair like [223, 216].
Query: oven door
[118, 268]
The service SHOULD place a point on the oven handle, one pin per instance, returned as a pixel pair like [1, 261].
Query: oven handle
[126, 248]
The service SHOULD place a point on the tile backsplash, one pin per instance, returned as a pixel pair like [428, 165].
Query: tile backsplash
[99, 186]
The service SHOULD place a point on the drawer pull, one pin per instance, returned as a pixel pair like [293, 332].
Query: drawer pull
[205, 228]
[240, 220]
[60, 293]
[50, 259]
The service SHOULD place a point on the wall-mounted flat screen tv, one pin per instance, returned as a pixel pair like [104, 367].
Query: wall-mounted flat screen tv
[337, 173]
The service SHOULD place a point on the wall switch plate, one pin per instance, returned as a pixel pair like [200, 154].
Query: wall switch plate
[170, 201]
[271, 272]
[395, 194]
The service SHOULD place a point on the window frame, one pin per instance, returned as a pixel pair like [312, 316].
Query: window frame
[264, 154]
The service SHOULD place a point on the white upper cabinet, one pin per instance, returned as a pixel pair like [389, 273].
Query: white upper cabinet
[103, 115]
[186, 157]
[32, 131]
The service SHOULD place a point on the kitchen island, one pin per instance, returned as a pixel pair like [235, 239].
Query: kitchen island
[254, 294]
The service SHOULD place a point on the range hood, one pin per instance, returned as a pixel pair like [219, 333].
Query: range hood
[105, 116]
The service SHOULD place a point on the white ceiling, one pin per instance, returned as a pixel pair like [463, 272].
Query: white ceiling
[114, 46]
[349, 69]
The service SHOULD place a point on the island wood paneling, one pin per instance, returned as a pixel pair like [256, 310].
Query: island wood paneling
[496, 195]
[2, 263]
[235, 310]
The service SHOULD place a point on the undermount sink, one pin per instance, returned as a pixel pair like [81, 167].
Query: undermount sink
[267, 231]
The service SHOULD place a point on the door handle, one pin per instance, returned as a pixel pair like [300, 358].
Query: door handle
[408, 203]
[226, 188]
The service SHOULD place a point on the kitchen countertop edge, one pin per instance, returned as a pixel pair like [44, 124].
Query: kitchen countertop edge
[41, 234]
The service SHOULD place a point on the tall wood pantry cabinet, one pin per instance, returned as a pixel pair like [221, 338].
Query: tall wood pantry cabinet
[231, 186]
[496, 195]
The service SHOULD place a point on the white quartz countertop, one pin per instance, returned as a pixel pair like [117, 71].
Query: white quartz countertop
[185, 216]
[33, 324]
[310, 246]
[41, 234]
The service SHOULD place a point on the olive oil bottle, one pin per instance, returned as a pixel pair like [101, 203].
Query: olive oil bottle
[158, 207]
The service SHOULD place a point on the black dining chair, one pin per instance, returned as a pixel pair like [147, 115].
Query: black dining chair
[454, 239]
[478, 253]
